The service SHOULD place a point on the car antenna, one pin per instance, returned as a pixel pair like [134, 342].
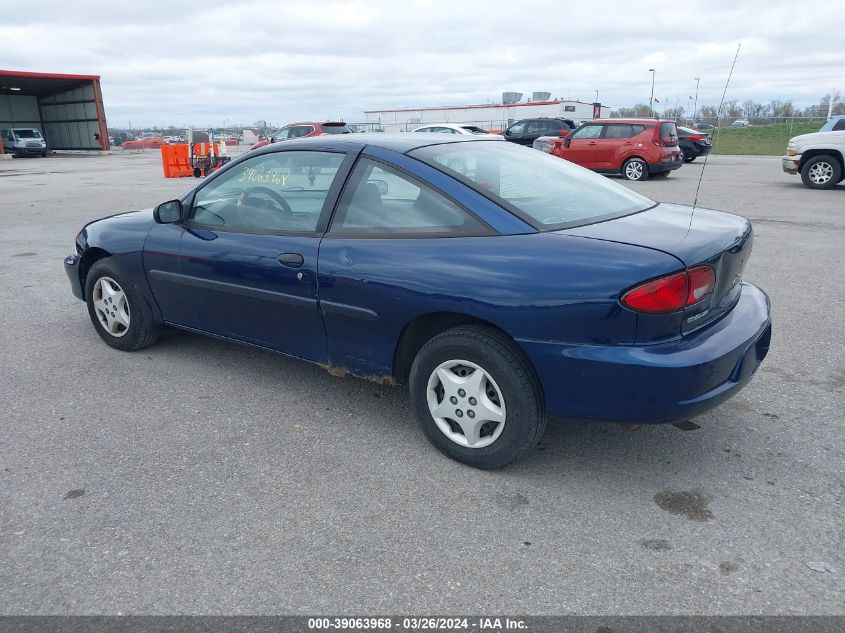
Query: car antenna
[718, 129]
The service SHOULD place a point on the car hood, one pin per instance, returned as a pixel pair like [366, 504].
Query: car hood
[818, 137]
[140, 216]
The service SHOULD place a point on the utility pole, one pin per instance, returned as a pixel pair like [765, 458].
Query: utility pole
[695, 107]
[651, 98]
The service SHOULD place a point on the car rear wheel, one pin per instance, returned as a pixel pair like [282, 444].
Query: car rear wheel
[476, 397]
[635, 169]
[116, 309]
[821, 172]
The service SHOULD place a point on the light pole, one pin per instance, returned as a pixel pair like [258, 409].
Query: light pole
[695, 107]
[597, 98]
[651, 98]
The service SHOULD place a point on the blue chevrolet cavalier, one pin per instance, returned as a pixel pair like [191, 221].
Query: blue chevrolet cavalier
[500, 284]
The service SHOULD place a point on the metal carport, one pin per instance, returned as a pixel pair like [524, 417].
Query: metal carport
[67, 109]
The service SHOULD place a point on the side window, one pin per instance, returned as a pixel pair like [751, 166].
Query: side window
[282, 191]
[588, 131]
[302, 130]
[380, 200]
[282, 134]
[517, 128]
[839, 125]
[535, 127]
[637, 129]
[619, 130]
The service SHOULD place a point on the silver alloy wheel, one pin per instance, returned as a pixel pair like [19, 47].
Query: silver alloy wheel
[466, 403]
[820, 173]
[634, 170]
[110, 306]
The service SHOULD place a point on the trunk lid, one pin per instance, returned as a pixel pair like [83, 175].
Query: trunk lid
[693, 236]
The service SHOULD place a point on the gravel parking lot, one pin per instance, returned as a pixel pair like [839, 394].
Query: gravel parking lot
[203, 477]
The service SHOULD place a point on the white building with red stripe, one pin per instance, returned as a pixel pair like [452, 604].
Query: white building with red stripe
[489, 116]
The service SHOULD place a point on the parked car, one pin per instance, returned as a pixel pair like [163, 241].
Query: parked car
[634, 148]
[692, 143]
[526, 131]
[500, 284]
[703, 126]
[147, 141]
[450, 128]
[305, 130]
[24, 141]
[818, 157]
[834, 124]
[740, 123]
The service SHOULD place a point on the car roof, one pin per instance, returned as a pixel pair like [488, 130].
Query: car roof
[632, 121]
[460, 125]
[401, 143]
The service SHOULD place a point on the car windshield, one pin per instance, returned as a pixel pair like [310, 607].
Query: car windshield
[27, 133]
[547, 192]
[834, 125]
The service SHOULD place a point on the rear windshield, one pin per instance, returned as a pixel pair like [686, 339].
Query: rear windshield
[334, 128]
[27, 133]
[667, 130]
[547, 192]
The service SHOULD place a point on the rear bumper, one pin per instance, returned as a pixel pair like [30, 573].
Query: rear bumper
[657, 383]
[666, 165]
[72, 270]
[791, 164]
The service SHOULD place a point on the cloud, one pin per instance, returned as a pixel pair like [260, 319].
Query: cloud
[182, 63]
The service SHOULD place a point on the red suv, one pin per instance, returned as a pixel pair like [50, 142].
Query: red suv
[305, 129]
[634, 148]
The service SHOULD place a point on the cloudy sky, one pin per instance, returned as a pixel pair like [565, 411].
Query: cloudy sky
[203, 63]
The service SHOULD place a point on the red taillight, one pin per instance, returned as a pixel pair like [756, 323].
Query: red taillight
[702, 279]
[696, 137]
[671, 293]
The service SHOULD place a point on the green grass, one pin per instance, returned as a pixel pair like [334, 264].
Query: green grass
[764, 140]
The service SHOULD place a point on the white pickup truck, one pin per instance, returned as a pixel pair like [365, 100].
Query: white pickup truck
[818, 157]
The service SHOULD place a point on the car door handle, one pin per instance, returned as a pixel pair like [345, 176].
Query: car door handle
[591, 143]
[291, 260]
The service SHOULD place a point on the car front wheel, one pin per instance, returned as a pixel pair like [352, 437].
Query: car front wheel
[821, 172]
[635, 169]
[476, 397]
[116, 309]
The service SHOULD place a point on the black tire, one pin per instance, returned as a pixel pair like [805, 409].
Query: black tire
[818, 167]
[506, 364]
[632, 173]
[43, 154]
[142, 330]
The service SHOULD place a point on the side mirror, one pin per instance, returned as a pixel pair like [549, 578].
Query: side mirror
[168, 212]
[508, 132]
[382, 186]
[567, 142]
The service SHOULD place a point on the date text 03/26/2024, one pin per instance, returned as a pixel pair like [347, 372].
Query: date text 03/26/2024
[494, 624]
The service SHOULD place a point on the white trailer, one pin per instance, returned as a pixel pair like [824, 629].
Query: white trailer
[490, 116]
